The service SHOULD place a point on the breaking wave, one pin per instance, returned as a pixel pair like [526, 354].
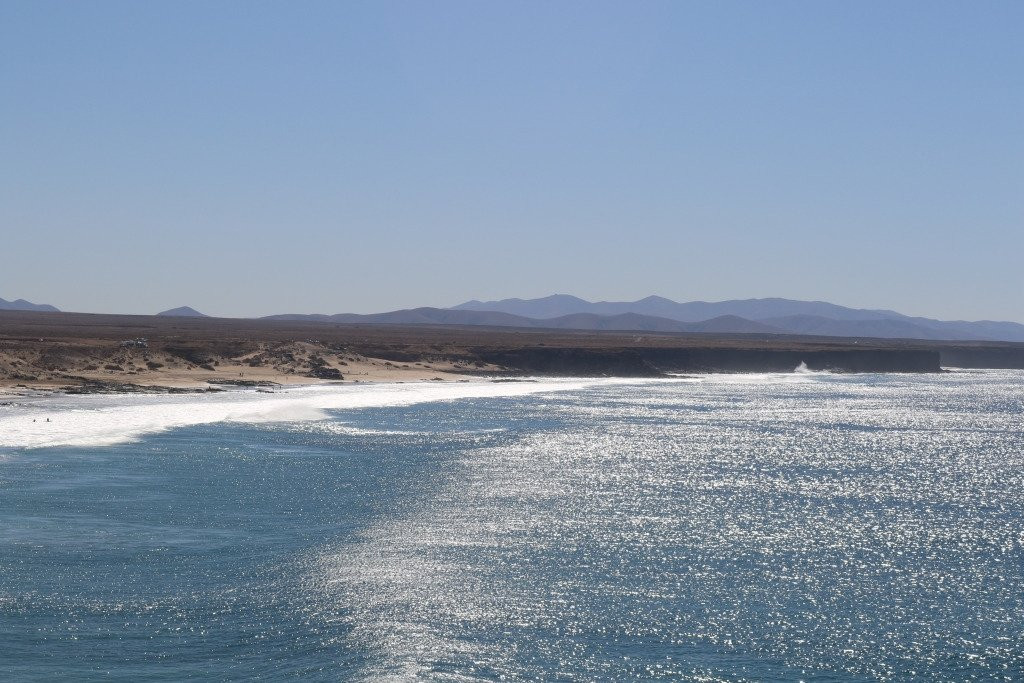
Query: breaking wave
[104, 420]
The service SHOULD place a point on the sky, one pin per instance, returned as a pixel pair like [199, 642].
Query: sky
[252, 158]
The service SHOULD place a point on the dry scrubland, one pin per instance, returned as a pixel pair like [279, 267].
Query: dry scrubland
[71, 352]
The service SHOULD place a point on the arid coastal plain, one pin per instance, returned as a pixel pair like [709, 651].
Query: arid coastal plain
[80, 352]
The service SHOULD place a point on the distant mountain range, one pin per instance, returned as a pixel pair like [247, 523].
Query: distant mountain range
[693, 311]
[22, 305]
[786, 315]
[576, 321]
[658, 314]
[182, 312]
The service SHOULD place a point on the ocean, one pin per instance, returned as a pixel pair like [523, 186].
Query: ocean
[802, 526]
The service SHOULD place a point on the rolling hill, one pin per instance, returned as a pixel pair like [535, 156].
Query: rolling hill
[182, 312]
[22, 305]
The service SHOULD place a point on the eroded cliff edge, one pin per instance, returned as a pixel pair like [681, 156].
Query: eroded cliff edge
[653, 362]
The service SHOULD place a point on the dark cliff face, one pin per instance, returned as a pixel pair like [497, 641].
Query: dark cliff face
[574, 362]
[774, 360]
[656, 362]
[984, 357]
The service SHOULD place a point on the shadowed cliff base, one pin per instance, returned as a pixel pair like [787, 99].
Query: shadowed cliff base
[654, 362]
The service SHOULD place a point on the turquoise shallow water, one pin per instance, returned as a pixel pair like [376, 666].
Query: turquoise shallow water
[758, 527]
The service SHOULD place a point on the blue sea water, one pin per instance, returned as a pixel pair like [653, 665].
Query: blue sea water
[735, 528]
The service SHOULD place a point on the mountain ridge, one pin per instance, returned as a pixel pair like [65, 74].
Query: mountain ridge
[627, 322]
[23, 305]
[182, 312]
[657, 314]
[790, 315]
[806, 325]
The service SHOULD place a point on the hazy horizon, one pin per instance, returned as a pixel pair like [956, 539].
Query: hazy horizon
[202, 310]
[248, 159]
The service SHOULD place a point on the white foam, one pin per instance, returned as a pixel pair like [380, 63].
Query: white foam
[102, 419]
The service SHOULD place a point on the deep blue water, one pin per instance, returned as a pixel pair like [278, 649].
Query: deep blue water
[816, 527]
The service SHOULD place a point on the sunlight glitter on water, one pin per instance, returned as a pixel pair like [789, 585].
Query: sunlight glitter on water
[835, 527]
[765, 528]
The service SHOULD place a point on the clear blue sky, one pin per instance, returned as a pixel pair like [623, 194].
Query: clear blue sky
[249, 158]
